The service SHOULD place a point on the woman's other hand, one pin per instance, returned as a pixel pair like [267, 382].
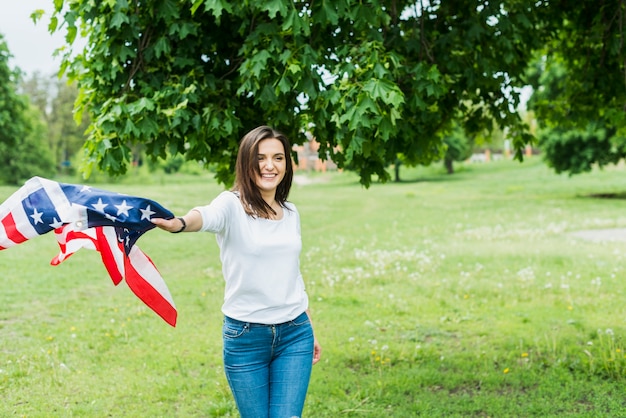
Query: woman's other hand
[317, 351]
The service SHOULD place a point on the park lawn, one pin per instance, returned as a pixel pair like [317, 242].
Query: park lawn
[463, 295]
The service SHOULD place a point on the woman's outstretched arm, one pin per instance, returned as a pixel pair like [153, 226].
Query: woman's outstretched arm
[191, 222]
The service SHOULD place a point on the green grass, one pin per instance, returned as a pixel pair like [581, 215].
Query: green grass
[441, 296]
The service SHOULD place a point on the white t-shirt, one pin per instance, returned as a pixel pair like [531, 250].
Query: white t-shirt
[260, 261]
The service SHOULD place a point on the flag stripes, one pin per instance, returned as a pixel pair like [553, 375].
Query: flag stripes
[85, 217]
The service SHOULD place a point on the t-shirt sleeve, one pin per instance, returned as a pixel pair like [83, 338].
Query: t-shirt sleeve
[292, 207]
[216, 215]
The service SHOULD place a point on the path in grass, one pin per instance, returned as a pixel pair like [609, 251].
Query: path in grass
[602, 235]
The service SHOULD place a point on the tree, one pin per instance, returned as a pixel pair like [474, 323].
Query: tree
[370, 80]
[67, 130]
[23, 151]
[580, 94]
[30, 155]
[576, 151]
[54, 98]
[459, 148]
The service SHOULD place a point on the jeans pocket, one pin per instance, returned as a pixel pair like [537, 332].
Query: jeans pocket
[232, 330]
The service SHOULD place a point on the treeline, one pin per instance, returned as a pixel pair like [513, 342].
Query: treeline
[52, 101]
[38, 133]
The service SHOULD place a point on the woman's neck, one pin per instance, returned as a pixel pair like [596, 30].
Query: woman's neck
[269, 198]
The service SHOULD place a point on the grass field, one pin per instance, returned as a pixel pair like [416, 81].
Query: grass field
[441, 296]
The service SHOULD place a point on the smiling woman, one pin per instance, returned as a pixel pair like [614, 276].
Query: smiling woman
[269, 345]
[263, 173]
[271, 172]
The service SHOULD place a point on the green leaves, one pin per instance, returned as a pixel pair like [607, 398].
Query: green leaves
[384, 90]
[328, 12]
[118, 20]
[577, 151]
[368, 79]
[274, 8]
[214, 7]
[579, 88]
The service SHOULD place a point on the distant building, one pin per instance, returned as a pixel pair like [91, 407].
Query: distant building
[308, 157]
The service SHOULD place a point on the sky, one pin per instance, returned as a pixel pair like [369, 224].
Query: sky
[31, 45]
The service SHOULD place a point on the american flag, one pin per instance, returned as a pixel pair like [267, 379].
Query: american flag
[86, 217]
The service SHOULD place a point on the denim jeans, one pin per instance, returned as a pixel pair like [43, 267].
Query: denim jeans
[268, 367]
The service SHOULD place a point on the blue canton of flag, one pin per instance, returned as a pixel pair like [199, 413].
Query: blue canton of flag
[129, 214]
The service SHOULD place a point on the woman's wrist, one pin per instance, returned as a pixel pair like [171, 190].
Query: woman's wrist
[183, 225]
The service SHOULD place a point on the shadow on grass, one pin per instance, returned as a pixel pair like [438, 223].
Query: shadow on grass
[430, 179]
[620, 195]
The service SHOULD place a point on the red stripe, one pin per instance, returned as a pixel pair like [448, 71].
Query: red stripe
[142, 276]
[106, 249]
[61, 236]
[9, 226]
[148, 294]
[64, 236]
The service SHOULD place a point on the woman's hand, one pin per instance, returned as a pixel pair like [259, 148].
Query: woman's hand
[169, 225]
[191, 222]
[317, 351]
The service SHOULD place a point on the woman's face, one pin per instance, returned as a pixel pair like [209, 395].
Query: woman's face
[272, 165]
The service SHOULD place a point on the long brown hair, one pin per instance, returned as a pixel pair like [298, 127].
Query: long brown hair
[247, 168]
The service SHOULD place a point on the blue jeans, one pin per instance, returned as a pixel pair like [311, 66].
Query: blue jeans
[268, 367]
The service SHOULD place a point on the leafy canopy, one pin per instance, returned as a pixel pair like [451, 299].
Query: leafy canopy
[369, 79]
[580, 89]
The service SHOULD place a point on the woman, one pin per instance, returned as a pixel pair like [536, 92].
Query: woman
[269, 346]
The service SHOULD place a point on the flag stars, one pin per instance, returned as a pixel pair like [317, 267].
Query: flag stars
[56, 224]
[37, 216]
[146, 213]
[110, 217]
[100, 205]
[123, 208]
[124, 237]
[85, 189]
